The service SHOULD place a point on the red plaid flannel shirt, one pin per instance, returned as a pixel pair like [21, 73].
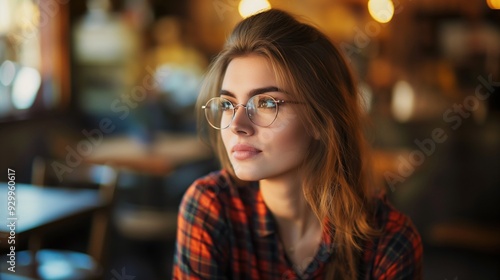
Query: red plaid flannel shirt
[227, 232]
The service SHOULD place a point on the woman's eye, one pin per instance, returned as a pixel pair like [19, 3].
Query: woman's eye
[226, 105]
[266, 103]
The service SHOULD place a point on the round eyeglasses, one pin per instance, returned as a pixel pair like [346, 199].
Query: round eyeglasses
[261, 109]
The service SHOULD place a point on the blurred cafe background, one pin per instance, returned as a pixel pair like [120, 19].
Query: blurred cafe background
[97, 122]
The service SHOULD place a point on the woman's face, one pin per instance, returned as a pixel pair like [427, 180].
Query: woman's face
[255, 152]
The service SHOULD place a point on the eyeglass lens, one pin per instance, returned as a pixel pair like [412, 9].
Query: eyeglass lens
[261, 110]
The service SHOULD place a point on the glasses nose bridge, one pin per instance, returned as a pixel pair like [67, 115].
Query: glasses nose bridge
[235, 109]
[237, 106]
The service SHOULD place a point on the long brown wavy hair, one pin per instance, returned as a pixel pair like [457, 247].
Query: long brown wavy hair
[313, 71]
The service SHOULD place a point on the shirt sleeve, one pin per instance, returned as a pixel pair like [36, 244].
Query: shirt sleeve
[201, 246]
[399, 254]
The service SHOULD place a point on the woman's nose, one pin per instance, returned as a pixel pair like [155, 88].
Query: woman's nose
[241, 123]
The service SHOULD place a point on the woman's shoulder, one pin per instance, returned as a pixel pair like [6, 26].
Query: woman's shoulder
[392, 221]
[209, 186]
[397, 250]
[218, 187]
[211, 199]
[203, 202]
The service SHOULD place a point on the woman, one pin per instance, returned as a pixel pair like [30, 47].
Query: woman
[293, 200]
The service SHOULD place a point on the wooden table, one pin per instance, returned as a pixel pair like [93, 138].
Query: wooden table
[163, 155]
[39, 210]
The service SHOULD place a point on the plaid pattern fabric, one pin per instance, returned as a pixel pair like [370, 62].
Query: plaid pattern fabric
[227, 232]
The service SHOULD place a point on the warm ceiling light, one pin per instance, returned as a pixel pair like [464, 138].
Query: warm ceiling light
[250, 7]
[383, 10]
[493, 4]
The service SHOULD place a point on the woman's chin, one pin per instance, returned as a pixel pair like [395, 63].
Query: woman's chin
[247, 175]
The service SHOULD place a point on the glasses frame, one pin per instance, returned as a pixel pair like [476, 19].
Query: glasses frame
[235, 107]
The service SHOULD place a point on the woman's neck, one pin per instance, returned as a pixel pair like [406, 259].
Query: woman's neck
[298, 227]
[285, 199]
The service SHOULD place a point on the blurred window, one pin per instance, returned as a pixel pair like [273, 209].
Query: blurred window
[28, 78]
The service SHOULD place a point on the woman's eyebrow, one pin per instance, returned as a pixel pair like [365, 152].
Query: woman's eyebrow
[254, 91]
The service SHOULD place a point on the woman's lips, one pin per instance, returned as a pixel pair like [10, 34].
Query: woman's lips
[243, 151]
